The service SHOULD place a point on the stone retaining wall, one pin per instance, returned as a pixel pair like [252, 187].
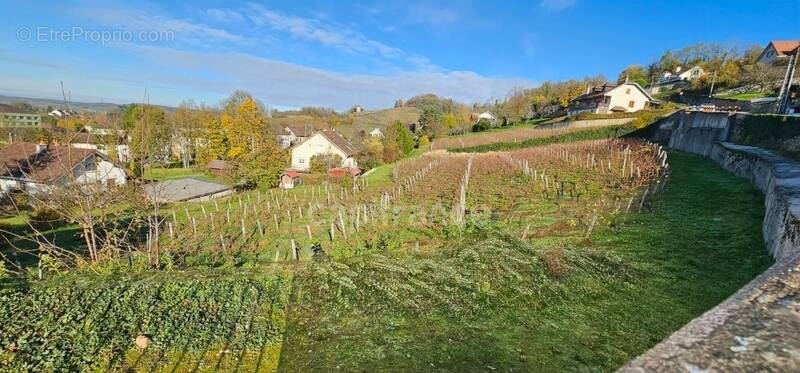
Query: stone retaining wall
[757, 328]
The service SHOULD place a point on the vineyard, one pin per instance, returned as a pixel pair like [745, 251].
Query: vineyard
[515, 135]
[423, 199]
[549, 258]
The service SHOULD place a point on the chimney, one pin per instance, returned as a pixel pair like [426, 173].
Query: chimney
[40, 147]
[588, 88]
[677, 70]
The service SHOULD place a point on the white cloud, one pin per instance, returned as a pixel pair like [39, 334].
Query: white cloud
[286, 84]
[557, 5]
[137, 20]
[331, 35]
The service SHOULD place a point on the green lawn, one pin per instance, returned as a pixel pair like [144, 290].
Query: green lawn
[746, 96]
[162, 173]
[552, 304]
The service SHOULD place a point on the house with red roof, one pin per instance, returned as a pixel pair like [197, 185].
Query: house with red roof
[34, 168]
[778, 50]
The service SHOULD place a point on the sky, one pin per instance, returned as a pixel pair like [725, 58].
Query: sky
[291, 54]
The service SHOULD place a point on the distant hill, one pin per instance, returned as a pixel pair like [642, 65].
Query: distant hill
[383, 118]
[43, 103]
[356, 122]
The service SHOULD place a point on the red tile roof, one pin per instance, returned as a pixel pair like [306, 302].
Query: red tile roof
[21, 160]
[300, 130]
[341, 171]
[292, 174]
[785, 46]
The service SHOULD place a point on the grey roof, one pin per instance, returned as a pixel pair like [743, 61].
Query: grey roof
[182, 189]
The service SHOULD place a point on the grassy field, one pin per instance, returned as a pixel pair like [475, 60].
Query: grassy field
[161, 173]
[553, 137]
[746, 96]
[549, 303]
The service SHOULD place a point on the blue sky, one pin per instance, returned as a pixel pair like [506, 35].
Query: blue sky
[337, 54]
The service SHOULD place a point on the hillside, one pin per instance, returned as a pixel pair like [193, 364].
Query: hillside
[352, 123]
[73, 105]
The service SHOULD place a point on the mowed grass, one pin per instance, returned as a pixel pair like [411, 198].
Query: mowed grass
[494, 302]
[161, 173]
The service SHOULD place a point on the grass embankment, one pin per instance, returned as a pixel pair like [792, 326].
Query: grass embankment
[203, 321]
[550, 304]
[588, 134]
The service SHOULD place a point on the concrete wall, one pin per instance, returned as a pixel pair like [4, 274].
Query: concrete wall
[697, 131]
[757, 328]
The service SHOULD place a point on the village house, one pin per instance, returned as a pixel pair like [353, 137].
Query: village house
[685, 75]
[376, 133]
[609, 98]
[34, 168]
[56, 113]
[110, 145]
[294, 134]
[676, 79]
[778, 50]
[487, 115]
[323, 142]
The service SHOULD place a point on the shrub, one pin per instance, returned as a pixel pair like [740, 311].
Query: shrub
[424, 142]
[321, 163]
[261, 169]
[482, 125]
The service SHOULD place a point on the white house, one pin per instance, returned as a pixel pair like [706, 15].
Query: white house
[102, 144]
[677, 78]
[376, 133]
[626, 97]
[487, 115]
[323, 142]
[59, 113]
[777, 50]
[291, 135]
[35, 168]
[685, 75]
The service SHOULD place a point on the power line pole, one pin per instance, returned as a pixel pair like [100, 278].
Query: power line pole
[64, 96]
[786, 87]
[714, 78]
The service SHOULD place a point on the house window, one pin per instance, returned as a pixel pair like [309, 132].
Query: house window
[301, 160]
[630, 104]
[628, 91]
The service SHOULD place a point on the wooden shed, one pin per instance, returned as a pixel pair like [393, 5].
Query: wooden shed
[219, 168]
[291, 179]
